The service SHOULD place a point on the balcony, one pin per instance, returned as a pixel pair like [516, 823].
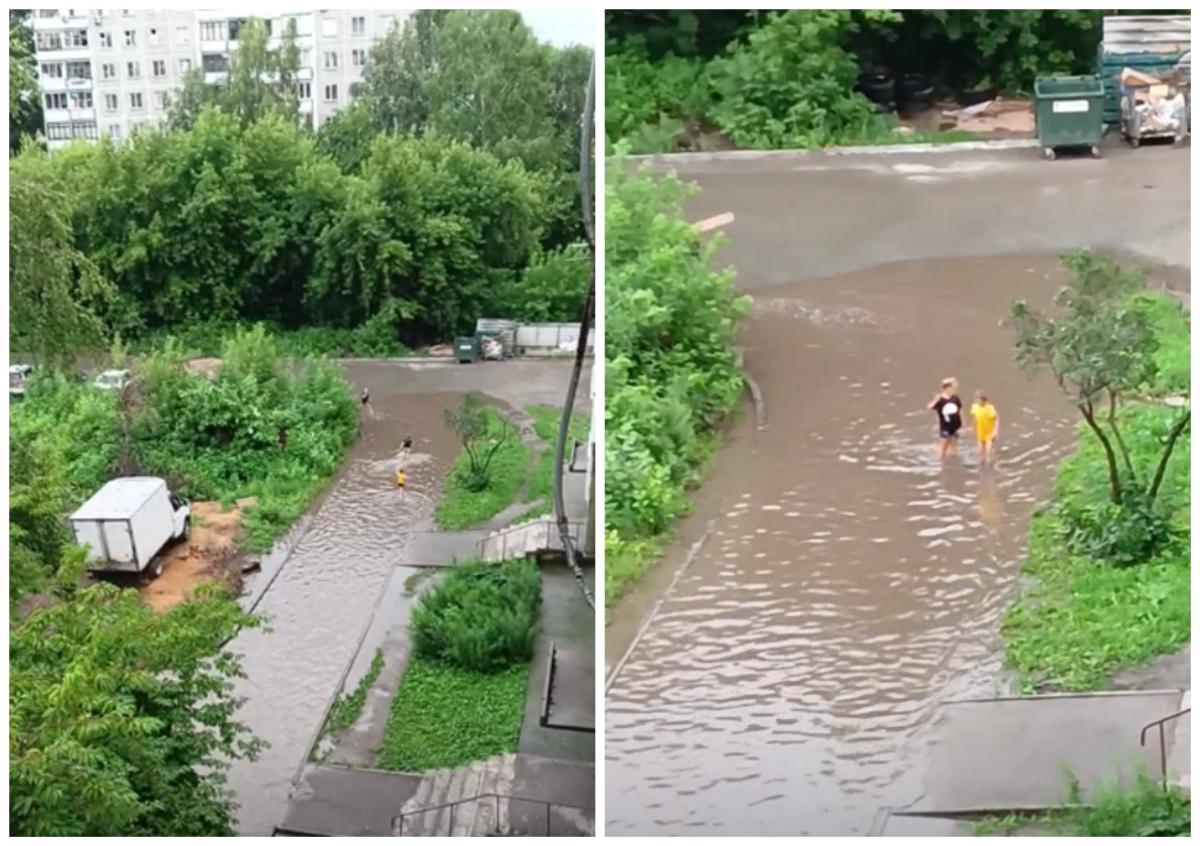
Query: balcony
[79, 83]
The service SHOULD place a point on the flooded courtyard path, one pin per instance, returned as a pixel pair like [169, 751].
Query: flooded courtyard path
[323, 592]
[848, 582]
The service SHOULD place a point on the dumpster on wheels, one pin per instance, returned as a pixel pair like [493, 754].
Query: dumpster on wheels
[1069, 111]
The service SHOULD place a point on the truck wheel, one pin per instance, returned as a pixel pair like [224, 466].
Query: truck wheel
[156, 566]
[187, 528]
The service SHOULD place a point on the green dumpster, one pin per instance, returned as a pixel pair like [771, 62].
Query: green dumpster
[466, 349]
[1069, 111]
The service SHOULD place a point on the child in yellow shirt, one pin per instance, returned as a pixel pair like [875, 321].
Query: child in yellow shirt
[401, 479]
[987, 426]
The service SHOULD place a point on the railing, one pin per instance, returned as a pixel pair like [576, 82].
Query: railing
[544, 530]
[496, 826]
[1162, 739]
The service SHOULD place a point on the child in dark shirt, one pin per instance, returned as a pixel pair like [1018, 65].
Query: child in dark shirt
[948, 408]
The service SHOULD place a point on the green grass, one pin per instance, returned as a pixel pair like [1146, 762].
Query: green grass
[541, 482]
[1173, 358]
[445, 717]
[1083, 619]
[346, 707]
[461, 507]
[1145, 810]
[626, 561]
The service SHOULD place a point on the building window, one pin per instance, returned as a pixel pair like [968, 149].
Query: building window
[212, 31]
[163, 100]
[329, 27]
[159, 67]
[136, 102]
[58, 131]
[77, 38]
[46, 13]
[114, 132]
[106, 40]
[133, 70]
[331, 61]
[306, 57]
[108, 70]
[84, 130]
[79, 70]
[81, 100]
[131, 38]
[56, 101]
[358, 58]
[304, 90]
[215, 63]
[185, 66]
[358, 26]
[183, 35]
[49, 40]
[52, 70]
[330, 93]
[154, 38]
[111, 104]
[356, 89]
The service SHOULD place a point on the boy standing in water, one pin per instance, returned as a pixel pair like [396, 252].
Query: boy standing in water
[987, 426]
[948, 408]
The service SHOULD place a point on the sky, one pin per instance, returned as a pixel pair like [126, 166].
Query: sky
[561, 27]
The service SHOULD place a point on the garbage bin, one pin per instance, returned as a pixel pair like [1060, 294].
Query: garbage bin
[466, 349]
[1069, 111]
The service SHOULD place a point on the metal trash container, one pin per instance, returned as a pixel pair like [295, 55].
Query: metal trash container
[1069, 111]
[466, 349]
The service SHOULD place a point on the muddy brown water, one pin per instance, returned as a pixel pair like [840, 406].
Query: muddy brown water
[848, 582]
[321, 600]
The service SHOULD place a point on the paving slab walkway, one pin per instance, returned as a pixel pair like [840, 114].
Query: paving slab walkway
[1002, 755]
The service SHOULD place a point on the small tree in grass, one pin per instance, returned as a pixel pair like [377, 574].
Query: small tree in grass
[482, 433]
[1100, 348]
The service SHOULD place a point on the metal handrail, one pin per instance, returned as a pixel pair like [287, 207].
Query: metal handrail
[398, 821]
[1162, 739]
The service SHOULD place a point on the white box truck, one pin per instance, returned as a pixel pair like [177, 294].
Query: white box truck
[127, 522]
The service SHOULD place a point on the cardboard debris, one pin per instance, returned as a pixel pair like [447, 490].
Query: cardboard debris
[1132, 77]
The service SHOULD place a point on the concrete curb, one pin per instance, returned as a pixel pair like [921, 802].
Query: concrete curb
[829, 152]
[760, 404]
[645, 626]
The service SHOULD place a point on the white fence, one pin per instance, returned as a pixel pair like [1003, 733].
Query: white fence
[550, 339]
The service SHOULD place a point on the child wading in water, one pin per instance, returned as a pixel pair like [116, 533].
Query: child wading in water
[405, 452]
[948, 408]
[987, 426]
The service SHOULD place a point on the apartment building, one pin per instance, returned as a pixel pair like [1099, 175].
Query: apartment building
[106, 72]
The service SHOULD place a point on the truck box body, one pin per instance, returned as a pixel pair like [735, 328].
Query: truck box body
[125, 524]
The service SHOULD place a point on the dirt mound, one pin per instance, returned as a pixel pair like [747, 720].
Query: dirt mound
[208, 555]
[206, 366]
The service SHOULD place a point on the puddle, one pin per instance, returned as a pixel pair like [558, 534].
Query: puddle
[850, 582]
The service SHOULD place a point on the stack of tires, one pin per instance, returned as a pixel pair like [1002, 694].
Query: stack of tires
[910, 93]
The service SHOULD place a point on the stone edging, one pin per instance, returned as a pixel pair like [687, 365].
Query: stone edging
[879, 149]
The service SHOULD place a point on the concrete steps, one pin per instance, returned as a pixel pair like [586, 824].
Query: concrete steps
[531, 539]
[1002, 755]
[454, 802]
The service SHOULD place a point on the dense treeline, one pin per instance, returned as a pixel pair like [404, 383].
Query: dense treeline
[412, 212]
[771, 79]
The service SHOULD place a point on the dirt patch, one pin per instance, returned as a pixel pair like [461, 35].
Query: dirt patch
[208, 555]
[204, 366]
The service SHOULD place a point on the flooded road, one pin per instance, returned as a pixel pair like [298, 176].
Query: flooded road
[321, 598]
[847, 582]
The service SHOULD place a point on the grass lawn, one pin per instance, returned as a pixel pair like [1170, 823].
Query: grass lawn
[1083, 619]
[541, 483]
[626, 561]
[461, 508]
[1146, 810]
[444, 717]
[346, 708]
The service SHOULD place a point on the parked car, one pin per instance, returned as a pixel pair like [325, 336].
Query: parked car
[126, 524]
[113, 380]
[18, 375]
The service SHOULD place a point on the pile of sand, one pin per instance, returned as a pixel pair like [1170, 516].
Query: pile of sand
[208, 555]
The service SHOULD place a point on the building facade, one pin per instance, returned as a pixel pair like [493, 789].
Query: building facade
[104, 73]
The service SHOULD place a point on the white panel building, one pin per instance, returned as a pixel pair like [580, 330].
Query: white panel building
[106, 72]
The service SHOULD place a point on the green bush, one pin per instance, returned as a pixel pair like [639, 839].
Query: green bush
[672, 373]
[482, 617]
[444, 716]
[541, 483]
[1173, 358]
[791, 84]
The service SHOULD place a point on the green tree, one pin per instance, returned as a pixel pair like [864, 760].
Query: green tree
[122, 720]
[1100, 347]
[24, 97]
[55, 291]
[481, 440]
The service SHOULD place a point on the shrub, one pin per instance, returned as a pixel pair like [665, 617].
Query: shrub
[482, 617]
